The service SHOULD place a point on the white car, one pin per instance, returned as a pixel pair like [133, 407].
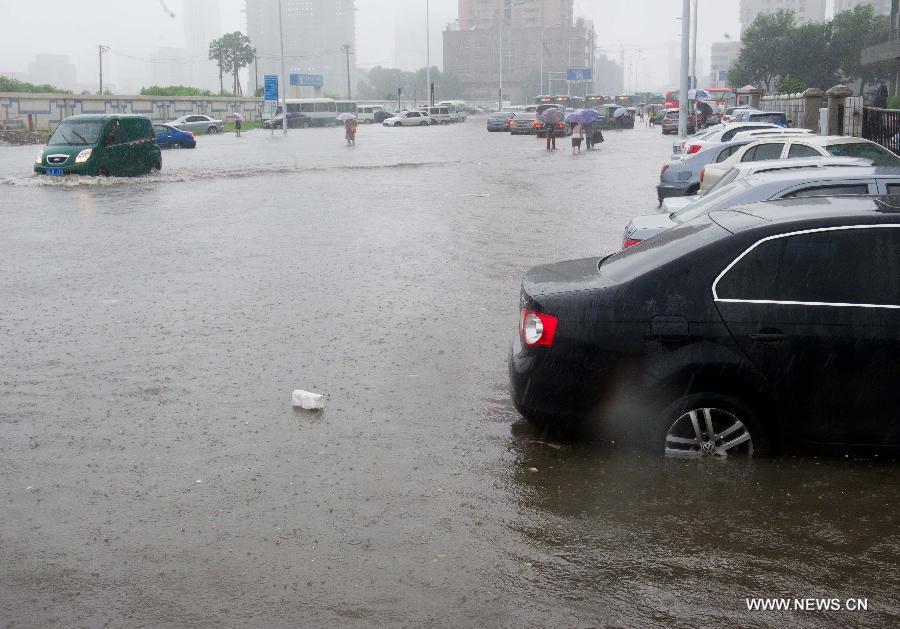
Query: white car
[409, 119]
[438, 115]
[366, 113]
[799, 146]
[718, 135]
[198, 124]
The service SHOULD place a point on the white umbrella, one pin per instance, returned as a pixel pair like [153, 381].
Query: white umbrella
[237, 116]
[346, 116]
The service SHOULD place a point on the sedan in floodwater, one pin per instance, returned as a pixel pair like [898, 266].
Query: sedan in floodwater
[168, 136]
[730, 334]
[499, 121]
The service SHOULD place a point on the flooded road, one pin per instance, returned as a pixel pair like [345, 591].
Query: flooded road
[154, 473]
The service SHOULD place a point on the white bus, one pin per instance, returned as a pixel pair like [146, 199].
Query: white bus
[458, 109]
[321, 111]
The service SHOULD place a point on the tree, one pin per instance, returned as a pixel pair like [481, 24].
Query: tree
[809, 57]
[233, 53]
[174, 90]
[766, 49]
[14, 85]
[851, 32]
[790, 85]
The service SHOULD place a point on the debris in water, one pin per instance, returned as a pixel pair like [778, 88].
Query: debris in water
[533, 469]
[307, 400]
[556, 446]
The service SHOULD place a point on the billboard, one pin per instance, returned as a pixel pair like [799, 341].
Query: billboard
[271, 87]
[307, 80]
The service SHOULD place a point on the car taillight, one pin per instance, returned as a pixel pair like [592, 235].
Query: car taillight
[538, 328]
[702, 174]
[190, 133]
[693, 148]
[629, 242]
[664, 168]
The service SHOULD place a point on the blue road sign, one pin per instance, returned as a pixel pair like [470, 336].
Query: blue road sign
[271, 88]
[307, 80]
[579, 74]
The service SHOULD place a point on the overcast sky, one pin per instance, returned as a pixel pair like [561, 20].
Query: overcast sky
[138, 27]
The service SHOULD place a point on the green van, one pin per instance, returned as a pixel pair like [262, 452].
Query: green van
[122, 145]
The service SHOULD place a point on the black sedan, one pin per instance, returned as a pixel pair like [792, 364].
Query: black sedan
[729, 334]
[295, 120]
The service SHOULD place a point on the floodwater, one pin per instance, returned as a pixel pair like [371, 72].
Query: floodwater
[153, 471]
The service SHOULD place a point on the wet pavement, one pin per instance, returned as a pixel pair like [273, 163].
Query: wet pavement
[153, 472]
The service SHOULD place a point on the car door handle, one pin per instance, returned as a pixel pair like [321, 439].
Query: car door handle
[768, 338]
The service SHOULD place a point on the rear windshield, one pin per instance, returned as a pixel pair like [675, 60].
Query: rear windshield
[708, 201]
[76, 133]
[658, 251]
[867, 150]
[773, 118]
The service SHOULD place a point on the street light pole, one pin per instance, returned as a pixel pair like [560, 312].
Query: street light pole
[100, 50]
[695, 85]
[500, 89]
[284, 125]
[428, 52]
[347, 49]
[685, 68]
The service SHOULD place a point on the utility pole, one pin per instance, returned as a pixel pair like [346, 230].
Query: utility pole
[283, 86]
[255, 74]
[500, 89]
[100, 50]
[428, 53]
[695, 85]
[685, 68]
[347, 50]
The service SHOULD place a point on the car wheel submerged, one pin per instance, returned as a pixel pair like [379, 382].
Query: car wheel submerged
[709, 425]
[213, 130]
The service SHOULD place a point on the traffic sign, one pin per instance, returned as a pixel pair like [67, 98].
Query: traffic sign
[271, 88]
[579, 74]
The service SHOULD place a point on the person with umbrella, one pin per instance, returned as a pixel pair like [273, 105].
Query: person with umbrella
[350, 127]
[551, 118]
[588, 118]
[238, 119]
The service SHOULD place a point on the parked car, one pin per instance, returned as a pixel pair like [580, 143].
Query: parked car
[682, 177]
[772, 180]
[730, 112]
[438, 115]
[523, 123]
[786, 328]
[540, 128]
[295, 120]
[408, 119]
[198, 124]
[170, 137]
[718, 135]
[380, 116]
[791, 146]
[101, 145]
[670, 122]
[755, 115]
[366, 114]
[499, 121]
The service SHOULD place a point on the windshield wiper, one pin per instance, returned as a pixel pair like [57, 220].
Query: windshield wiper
[80, 136]
[65, 137]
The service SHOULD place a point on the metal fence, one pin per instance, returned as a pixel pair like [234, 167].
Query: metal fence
[882, 126]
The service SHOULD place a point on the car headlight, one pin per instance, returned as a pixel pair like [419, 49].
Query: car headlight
[83, 156]
[40, 157]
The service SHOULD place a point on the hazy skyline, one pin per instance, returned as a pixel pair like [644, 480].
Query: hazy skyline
[135, 29]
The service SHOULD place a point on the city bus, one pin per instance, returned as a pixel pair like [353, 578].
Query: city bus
[574, 102]
[595, 100]
[458, 109]
[671, 101]
[625, 100]
[321, 111]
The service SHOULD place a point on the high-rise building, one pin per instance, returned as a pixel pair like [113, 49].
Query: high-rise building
[722, 55]
[882, 7]
[315, 31]
[485, 14]
[527, 53]
[202, 24]
[804, 10]
[53, 69]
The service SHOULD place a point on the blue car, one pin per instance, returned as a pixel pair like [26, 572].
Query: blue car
[168, 137]
[499, 121]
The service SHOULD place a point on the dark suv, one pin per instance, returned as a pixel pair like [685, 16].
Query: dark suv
[727, 334]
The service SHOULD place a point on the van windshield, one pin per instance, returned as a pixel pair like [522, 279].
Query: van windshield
[76, 133]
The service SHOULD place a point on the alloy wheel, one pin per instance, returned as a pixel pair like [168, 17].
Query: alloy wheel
[708, 432]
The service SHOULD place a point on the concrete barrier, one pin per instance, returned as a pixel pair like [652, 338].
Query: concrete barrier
[46, 110]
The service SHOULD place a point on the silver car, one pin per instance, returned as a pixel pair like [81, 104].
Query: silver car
[769, 181]
[198, 123]
[682, 177]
